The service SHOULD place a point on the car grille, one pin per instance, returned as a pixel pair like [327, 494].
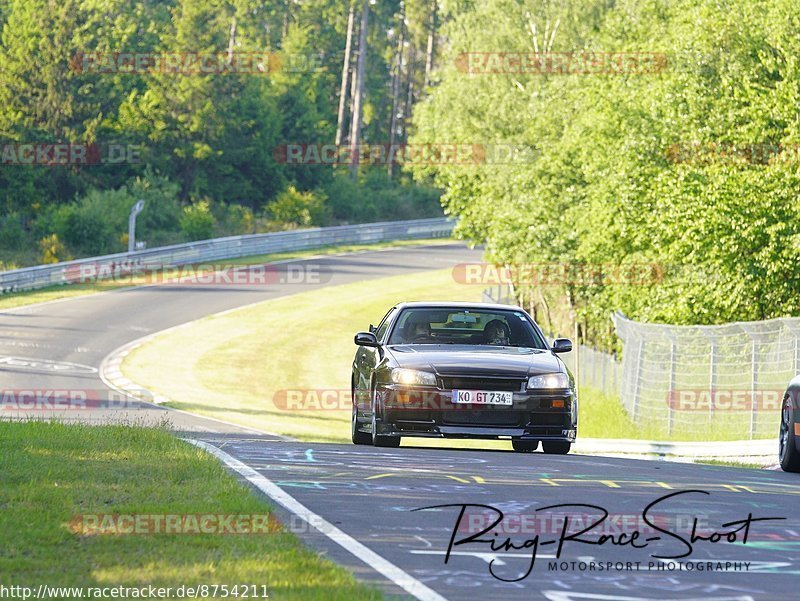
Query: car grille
[483, 417]
[549, 419]
[480, 383]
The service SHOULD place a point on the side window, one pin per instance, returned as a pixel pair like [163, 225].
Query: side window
[381, 330]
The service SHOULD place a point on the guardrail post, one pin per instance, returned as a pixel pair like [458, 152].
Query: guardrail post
[637, 379]
[670, 398]
[604, 380]
[578, 356]
[755, 335]
[753, 388]
[712, 380]
[796, 354]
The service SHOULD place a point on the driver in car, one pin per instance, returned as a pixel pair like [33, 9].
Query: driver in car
[420, 332]
[496, 333]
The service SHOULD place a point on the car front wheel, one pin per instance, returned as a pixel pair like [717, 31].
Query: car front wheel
[788, 454]
[556, 447]
[378, 438]
[358, 436]
[525, 446]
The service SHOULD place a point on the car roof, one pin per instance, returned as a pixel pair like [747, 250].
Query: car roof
[456, 305]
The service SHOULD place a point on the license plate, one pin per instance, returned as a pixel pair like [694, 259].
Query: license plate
[482, 397]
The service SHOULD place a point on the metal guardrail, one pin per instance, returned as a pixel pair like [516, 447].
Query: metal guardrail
[738, 451]
[231, 247]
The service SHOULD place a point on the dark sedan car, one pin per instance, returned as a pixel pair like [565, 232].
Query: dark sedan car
[459, 370]
[789, 438]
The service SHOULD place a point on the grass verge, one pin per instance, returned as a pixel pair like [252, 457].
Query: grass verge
[51, 472]
[202, 368]
[602, 416]
[29, 297]
[236, 366]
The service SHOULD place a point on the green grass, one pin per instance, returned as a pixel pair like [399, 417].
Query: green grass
[50, 293]
[602, 416]
[745, 464]
[202, 368]
[231, 366]
[50, 472]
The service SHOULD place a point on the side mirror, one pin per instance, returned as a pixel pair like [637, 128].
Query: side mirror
[562, 345]
[366, 339]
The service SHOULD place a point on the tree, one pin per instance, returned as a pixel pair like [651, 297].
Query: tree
[358, 97]
[340, 121]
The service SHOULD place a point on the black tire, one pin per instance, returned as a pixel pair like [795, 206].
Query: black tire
[381, 440]
[358, 436]
[787, 441]
[556, 447]
[525, 446]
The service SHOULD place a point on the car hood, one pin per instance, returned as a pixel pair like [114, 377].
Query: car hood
[449, 359]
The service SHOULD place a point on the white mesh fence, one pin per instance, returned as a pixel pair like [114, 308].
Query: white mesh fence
[723, 381]
[595, 369]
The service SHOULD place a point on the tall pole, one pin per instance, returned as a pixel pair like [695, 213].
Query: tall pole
[429, 51]
[345, 74]
[355, 131]
[135, 210]
[398, 56]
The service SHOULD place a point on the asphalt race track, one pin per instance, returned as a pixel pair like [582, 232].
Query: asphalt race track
[60, 345]
[374, 496]
[371, 494]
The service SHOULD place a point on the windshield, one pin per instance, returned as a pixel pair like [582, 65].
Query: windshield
[465, 326]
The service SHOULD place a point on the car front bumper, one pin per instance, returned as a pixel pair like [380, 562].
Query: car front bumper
[534, 415]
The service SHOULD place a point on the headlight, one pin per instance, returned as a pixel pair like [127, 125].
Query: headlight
[549, 381]
[413, 377]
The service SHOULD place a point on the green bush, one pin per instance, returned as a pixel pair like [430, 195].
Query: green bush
[294, 208]
[52, 250]
[12, 235]
[93, 224]
[197, 222]
[376, 197]
[97, 222]
[233, 219]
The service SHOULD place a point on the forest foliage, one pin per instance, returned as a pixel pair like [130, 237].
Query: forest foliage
[201, 147]
[690, 168]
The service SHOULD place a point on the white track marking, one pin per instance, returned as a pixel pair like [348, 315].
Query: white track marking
[578, 596]
[347, 542]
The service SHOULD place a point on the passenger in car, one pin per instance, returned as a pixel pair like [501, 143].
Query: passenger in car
[496, 333]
